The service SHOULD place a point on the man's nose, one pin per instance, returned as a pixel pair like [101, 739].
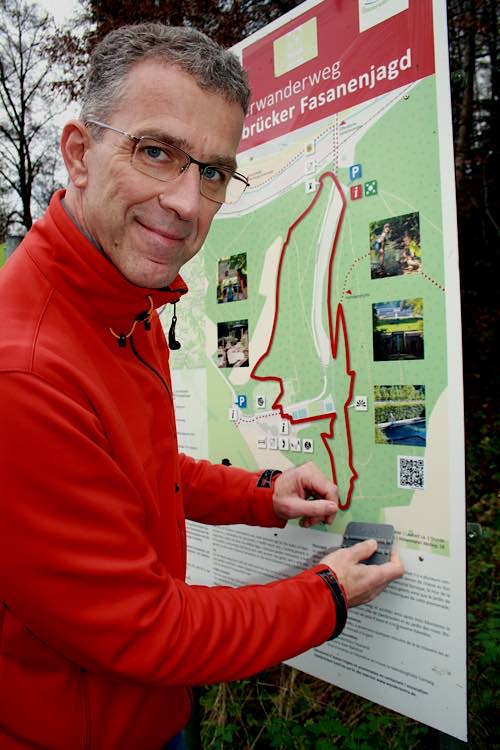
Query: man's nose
[182, 194]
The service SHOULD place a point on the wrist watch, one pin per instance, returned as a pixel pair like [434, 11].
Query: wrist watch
[339, 598]
[268, 477]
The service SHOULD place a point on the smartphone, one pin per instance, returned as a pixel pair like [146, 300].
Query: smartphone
[357, 531]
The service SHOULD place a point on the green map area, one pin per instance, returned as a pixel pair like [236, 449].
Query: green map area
[307, 226]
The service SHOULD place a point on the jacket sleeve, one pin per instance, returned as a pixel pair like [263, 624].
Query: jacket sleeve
[217, 494]
[77, 566]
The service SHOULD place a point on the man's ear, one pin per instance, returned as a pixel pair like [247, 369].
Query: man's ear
[75, 142]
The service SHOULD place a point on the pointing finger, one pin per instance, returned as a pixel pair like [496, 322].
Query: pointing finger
[317, 508]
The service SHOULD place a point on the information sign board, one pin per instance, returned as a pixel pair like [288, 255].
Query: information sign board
[323, 324]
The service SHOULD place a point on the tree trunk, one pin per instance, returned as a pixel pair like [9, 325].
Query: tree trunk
[466, 108]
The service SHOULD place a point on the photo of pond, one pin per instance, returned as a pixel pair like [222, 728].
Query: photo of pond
[400, 415]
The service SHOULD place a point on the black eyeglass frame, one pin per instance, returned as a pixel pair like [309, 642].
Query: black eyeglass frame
[190, 160]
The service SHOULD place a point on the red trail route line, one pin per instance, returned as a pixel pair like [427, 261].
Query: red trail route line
[336, 333]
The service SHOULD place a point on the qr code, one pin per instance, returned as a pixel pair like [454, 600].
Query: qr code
[411, 473]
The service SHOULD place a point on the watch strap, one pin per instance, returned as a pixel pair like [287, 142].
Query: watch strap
[339, 598]
[267, 478]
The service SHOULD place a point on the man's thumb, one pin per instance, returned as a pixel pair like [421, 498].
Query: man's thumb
[364, 550]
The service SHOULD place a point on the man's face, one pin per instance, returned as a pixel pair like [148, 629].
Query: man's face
[148, 228]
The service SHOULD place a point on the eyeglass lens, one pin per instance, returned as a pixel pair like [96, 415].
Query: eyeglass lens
[166, 162]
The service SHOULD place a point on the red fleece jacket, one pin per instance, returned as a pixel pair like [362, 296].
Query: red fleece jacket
[99, 633]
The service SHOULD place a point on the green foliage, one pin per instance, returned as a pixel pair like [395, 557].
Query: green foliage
[483, 628]
[238, 262]
[380, 438]
[399, 226]
[396, 412]
[398, 392]
[283, 709]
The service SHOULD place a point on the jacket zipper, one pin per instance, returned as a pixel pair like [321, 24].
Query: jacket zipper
[150, 367]
[165, 385]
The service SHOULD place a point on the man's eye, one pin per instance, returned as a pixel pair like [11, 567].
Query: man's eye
[155, 153]
[212, 174]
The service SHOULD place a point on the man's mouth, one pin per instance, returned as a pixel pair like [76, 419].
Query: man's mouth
[167, 234]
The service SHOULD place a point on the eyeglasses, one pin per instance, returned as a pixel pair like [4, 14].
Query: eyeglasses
[165, 162]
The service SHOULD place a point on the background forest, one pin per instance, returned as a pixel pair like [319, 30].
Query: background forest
[41, 70]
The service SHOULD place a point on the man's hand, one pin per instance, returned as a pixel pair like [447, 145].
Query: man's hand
[292, 490]
[362, 583]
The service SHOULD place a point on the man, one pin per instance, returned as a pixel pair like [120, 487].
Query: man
[100, 636]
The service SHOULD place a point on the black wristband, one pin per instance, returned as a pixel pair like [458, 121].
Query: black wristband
[338, 598]
[267, 476]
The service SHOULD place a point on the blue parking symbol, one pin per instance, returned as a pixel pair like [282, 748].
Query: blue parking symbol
[355, 172]
[241, 401]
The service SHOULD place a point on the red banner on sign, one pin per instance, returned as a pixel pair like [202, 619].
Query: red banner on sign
[322, 63]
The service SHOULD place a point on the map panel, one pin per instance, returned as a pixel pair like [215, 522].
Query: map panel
[311, 309]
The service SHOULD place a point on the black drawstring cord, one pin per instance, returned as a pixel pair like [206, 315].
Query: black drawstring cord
[173, 344]
[145, 317]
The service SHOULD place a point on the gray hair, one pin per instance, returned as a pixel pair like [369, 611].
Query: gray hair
[214, 68]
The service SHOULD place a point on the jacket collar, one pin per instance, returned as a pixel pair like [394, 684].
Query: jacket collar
[72, 263]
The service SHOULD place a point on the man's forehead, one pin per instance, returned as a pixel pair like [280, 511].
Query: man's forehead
[166, 103]
[159, 75]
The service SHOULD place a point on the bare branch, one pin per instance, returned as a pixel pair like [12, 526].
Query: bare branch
[26, 104]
